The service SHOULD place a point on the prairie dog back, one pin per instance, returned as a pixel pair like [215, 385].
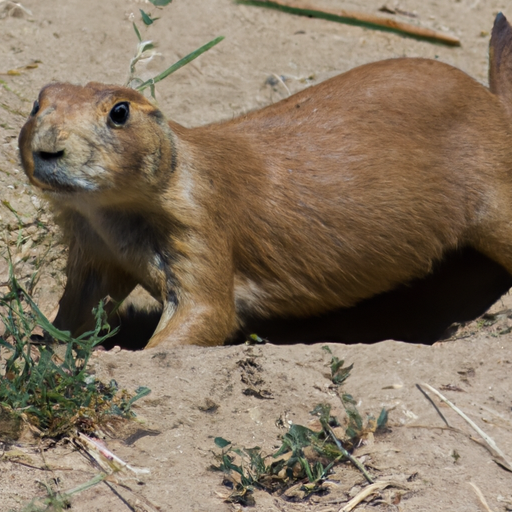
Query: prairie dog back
[334, 195]
[399, 188]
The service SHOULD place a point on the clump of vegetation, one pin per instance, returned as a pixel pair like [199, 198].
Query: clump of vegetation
[55, 395]
[306, 456]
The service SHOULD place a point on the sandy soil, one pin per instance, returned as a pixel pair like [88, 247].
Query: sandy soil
[79, 41]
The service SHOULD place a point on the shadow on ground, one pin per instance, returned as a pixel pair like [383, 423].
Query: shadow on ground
[459, 289]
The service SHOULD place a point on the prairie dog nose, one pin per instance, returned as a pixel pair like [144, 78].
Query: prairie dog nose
[48, 156]
[49, 139]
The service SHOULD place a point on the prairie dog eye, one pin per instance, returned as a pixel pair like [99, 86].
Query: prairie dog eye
[35, 108]
[120, 113]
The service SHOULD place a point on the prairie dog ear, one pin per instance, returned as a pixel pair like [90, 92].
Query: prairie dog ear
[500, 60]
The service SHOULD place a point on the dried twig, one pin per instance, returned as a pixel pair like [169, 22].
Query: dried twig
[499, 457]
[368, 491]
[433, 404]
[356, 18]
[346, 454]
[480, 495]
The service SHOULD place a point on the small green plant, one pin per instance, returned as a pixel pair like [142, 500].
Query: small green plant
[246, 469]
[355, 428]
[306, 456]
[146, 50]
[55, 395]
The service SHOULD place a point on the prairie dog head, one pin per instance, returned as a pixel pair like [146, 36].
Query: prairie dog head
[94, 139]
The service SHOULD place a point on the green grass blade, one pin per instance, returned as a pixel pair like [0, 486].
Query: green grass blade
[160, 3]
[137, 32]
[383, 419]
[140, 393]
[42, 321]
[189, 58]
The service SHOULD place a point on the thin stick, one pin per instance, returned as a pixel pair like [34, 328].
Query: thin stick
[356, 18]
[481, 497]
[433, 404]
[345, 453]
[499, 455]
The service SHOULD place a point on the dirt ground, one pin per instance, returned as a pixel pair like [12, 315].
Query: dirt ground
[198, 393]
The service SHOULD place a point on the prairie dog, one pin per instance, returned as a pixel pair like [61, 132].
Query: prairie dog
[333, 195]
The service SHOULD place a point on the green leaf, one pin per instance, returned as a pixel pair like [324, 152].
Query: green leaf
[146, 18]
[160, 3]
[228, 465]
[137, 32]
[307, 468]
[190, 57]
[323, 411]
[383, 419]
[338, 373]
[221, 442]
[146, 45]
[319, 471]
[296, 439]
[140, 392]
[336, 364]
[348, 399]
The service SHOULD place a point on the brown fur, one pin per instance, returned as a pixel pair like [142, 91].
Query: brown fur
[338, 193]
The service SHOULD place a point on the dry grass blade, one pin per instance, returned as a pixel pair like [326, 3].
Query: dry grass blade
[368, 491]
[358, 18]
[499, 457]
[480, 495]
